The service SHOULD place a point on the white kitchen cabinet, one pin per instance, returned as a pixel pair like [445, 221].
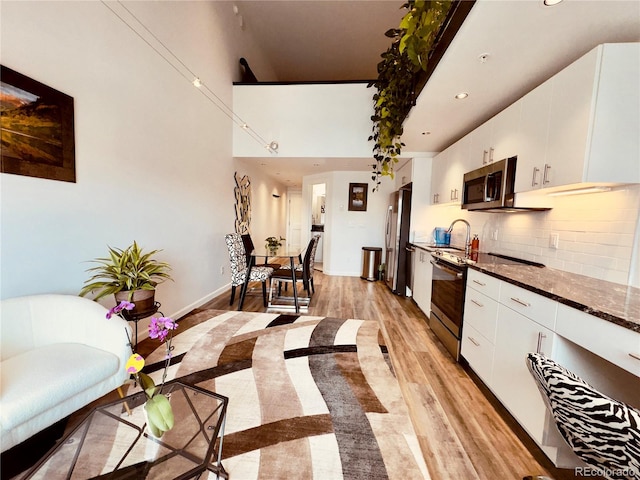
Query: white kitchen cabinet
[478, 351]
[512, 383]
[532, 139]
[489, 286]
[497, 338]
[422, 275]
[504, 322]
[481, 305]
[533, 306]
[480, 321]
[448, 170]
[438, 174]
[495, 139]
[594, 118]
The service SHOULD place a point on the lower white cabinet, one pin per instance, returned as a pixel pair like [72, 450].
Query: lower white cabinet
[504, 322]
[422, 275]
[512, 383]
[478, 351]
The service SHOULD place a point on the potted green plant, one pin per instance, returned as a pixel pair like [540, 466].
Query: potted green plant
[129, 274]
[398, 75]
[273, 243]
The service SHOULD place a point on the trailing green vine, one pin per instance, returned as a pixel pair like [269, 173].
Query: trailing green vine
[398, 71]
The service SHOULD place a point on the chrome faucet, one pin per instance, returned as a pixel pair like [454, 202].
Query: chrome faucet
[467, 245]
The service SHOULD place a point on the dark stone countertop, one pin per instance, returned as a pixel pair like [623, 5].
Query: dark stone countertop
[619, 304]
[610, 301]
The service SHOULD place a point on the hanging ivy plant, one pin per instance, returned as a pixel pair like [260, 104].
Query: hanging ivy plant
[397, 78]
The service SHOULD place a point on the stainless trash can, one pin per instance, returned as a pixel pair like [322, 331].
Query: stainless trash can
[371, 257]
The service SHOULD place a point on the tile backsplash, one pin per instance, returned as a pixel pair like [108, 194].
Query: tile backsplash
[596, 234]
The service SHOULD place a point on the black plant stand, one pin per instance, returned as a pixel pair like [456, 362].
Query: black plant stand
[136, 317]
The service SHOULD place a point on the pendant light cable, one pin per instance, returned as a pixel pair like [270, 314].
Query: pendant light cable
[191, 77]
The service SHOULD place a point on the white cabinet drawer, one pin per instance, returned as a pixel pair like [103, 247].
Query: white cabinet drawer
[481, 312]
[612, 342]
[533, 306]
[478, 352]
[490, 286]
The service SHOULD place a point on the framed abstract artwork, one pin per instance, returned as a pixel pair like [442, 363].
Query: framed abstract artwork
[358, 197]
[36, 127]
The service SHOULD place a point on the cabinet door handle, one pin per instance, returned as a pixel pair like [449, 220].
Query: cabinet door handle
[477, 303]
[634, 355]
[484, 157]
[491, 150]
[521, 302]
[534, 181]
[473, 340]
[545, 176]
[480, 283]
[451, 195]
[541, 337]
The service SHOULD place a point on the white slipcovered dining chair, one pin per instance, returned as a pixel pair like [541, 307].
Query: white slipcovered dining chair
[240, 269]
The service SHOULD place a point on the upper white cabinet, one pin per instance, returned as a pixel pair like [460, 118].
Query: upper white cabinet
[582, 121]
[532, 170]
[580, 126]
[495, 139]
[448, 170]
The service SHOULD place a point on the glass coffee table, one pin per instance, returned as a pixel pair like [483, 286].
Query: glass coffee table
[113, 442]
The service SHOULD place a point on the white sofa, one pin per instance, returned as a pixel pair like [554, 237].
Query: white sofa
[58, 354]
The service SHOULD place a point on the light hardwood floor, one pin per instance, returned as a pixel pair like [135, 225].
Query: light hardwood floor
[463, 434]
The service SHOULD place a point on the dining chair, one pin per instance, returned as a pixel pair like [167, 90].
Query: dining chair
[239, 267]
[249, 246]
[603, 432]
[302, 273]
[313, 244]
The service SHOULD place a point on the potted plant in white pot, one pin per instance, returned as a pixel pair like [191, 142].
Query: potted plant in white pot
[129, 274]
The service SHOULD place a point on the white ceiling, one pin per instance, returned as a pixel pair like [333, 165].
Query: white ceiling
[342, 40]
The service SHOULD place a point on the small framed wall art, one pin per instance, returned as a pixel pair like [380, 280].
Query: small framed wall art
[36, 125]
[358, 197]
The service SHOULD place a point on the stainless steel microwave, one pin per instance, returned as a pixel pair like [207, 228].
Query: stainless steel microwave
[491, 189]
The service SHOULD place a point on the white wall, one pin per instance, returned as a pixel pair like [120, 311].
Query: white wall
[308, 120]
[346, 232]
[268, 214]
[153, 155]
[599, 233]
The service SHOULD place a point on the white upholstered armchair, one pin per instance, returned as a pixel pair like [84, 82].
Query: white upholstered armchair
[59, 353]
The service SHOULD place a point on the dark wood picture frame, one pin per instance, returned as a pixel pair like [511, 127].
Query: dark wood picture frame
[358, 197]
[36, 128]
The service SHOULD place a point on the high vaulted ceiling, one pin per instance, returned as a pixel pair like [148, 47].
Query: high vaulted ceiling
[526, 43]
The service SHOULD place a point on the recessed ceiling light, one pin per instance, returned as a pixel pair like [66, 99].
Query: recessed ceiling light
[426, 133]
[483, 57]
[551, 3]
[462, 95]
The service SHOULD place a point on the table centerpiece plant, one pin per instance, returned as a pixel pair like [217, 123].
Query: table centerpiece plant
[130, 274]
[158, 410]
[273, 243]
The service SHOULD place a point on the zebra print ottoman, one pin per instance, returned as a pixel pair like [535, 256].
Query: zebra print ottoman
[603, 432]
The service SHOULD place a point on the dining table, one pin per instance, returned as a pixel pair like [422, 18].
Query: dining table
[260, 255]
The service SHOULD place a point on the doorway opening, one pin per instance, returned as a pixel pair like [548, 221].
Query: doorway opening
[318, 207]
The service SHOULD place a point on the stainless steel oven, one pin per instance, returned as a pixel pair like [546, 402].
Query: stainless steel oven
[447, 300]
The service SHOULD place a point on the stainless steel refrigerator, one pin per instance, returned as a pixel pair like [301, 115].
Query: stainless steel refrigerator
[397, 239]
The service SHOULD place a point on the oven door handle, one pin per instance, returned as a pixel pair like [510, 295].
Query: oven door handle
[450, 271]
